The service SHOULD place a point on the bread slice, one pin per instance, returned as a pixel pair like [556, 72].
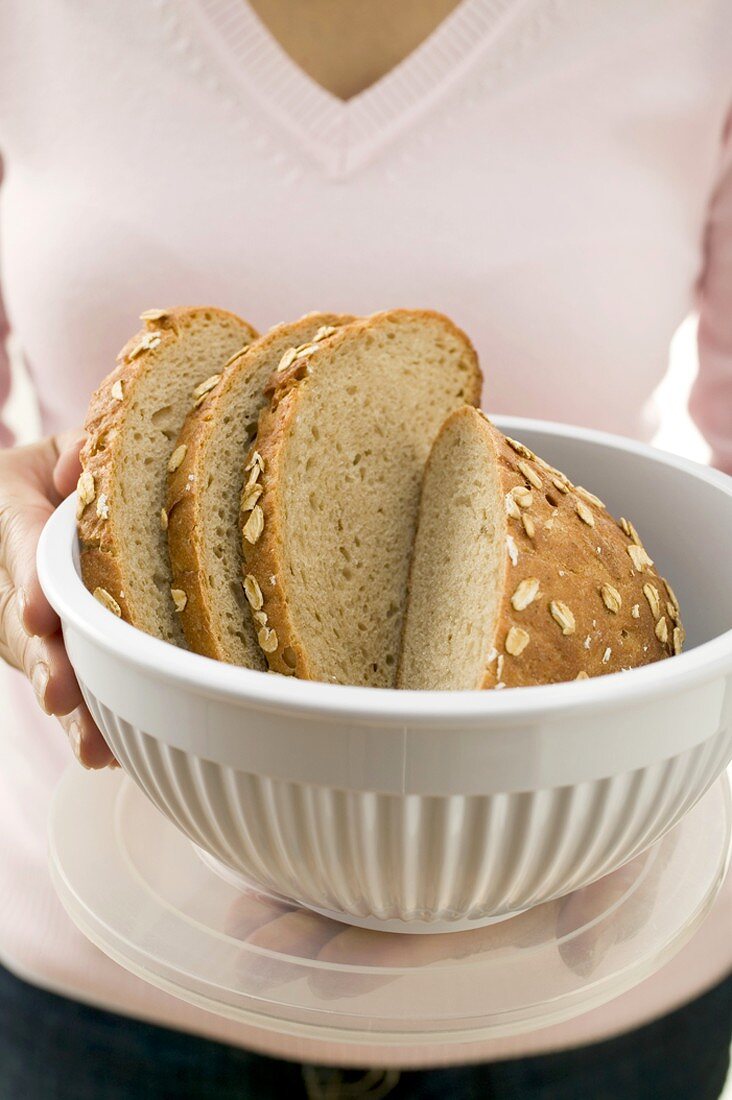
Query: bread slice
[519, 577]
[133, 422]
[204, 495]
[340, 453]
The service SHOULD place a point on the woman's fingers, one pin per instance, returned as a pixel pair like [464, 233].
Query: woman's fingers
[35, 479]
[88, 745]
[20, 531]
[585, 929]
[44, 662]
[299, 932]
[28, 499]
[62, 692]
[251, 910]
[68, 466]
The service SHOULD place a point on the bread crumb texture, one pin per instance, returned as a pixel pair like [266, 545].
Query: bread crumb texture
[343, 445]
[132, 429]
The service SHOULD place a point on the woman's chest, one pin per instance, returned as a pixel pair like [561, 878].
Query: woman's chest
[549, 191]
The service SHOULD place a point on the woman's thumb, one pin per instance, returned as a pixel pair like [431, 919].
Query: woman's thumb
[68, 467]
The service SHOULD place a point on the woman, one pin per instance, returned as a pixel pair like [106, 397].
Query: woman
[555, 176]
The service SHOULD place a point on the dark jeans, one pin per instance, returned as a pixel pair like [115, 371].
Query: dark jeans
[55, 1049]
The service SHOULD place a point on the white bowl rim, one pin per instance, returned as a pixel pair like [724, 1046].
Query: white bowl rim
[190, 671]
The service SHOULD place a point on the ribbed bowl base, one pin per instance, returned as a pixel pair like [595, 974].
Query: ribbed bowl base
[374, 924]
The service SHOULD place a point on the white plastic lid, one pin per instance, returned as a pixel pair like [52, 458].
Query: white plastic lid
[137, 888]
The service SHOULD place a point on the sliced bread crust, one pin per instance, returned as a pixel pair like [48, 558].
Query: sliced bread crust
[132, 425]
[539, 584]
[339, 457]
[204, 495]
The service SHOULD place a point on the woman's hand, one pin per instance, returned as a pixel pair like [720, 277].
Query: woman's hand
[33, 481]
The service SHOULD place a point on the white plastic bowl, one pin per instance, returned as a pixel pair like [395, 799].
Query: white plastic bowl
[431, 811]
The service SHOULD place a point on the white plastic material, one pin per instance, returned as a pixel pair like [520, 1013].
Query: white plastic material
[432, 809]
[136, 888]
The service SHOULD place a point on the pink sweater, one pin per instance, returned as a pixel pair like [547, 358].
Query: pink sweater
[556, 176]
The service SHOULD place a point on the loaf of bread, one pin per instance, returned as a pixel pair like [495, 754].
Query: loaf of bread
[204, 494]
[132, 426]
[326, 501]
[519, 577]
[329, 508]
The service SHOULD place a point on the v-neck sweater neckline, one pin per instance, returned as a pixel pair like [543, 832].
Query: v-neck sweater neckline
[342, 134]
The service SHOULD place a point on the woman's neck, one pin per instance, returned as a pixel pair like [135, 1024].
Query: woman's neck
[348, 45]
